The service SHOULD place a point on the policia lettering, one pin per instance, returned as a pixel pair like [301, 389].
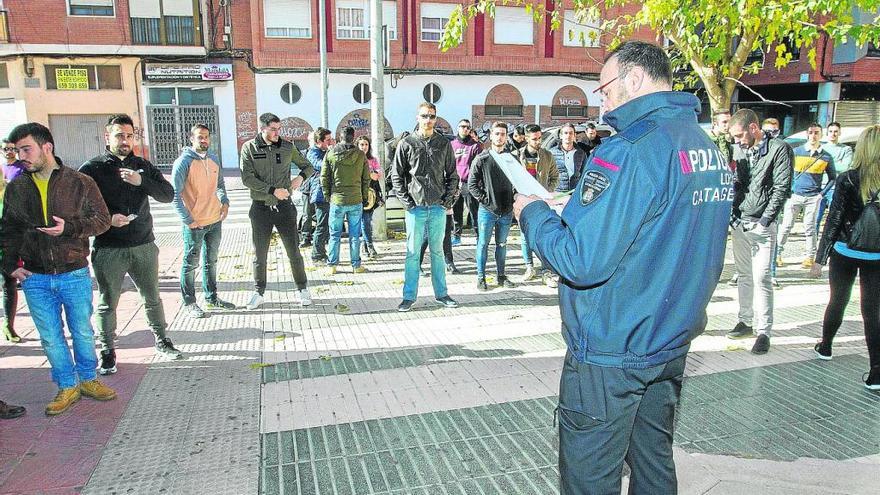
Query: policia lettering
[708, 160]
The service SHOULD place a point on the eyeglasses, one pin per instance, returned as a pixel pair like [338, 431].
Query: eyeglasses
[8, 149]
[428, 116]
[602, 87]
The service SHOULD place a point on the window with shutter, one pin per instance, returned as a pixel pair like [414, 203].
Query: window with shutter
[90, 7]
[514, 26]
[288, 18]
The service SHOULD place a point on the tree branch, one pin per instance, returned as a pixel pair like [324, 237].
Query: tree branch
[756, 93]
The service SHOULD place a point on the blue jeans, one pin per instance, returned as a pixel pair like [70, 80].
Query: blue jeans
[367, 228]
[526, 250]
[418, 220]
[46, 296]
[193, 241]
[337, 214]
[487, 222]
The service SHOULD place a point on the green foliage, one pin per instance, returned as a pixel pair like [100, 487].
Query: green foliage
[711, 38]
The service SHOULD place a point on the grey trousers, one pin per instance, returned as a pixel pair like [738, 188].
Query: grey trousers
[753, 248]
[142, 265]
[608, 416]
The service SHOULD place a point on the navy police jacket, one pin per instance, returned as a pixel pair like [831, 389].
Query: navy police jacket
[640, 244]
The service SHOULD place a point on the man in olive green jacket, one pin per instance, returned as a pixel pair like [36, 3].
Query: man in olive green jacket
[345, 179]
[267, 165]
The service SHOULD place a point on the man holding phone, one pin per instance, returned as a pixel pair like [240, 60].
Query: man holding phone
[50, 213]
[127, 181]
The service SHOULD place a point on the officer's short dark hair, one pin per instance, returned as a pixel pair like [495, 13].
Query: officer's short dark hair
[650, 57]
[591, 125]
[119, 119]
[835, 124]
[533, 128]
[346, 135]
[268, 118]
[39, 132]
[519, 130]
[198, 127]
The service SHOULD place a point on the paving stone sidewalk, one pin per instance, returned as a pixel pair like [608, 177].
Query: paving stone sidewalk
[349, 396]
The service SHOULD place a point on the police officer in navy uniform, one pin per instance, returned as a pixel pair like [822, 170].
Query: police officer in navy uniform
[639, 247]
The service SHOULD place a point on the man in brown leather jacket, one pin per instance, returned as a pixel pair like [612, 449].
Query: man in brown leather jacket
[50, 211]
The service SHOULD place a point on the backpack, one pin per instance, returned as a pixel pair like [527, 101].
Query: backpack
[865, 233]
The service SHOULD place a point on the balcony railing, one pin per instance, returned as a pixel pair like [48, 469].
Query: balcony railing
[167, 30]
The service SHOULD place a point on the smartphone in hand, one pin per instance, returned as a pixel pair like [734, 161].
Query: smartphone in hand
[131, 217]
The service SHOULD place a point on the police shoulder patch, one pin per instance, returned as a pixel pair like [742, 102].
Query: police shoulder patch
[638, 130]
[593, 185]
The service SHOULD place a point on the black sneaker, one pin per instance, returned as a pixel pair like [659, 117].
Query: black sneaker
[872, 382]
[219, 304]
[823, 351]
[405, 306]
[762, 344]
[167, 349]
[108, 362]
[740, 331]
[305, 244]
[451, 268]
[506, 283]
[481, 285]
[447, 301]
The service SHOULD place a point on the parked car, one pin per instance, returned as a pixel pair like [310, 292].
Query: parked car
[550, 136]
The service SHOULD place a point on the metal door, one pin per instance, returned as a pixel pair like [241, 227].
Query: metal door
[78, 138]
[169, 130]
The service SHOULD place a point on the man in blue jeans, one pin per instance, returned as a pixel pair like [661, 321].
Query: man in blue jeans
[345, 179]
[67, 208]
[425, 180]
[494, 192]
[201, 202]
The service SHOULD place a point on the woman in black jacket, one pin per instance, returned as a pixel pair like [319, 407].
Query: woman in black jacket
[854, 189]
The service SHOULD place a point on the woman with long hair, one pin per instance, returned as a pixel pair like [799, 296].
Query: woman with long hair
[853, 190]
[373, 202]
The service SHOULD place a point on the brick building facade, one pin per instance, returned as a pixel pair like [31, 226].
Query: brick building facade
[145, 58]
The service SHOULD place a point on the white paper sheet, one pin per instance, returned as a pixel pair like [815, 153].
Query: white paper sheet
[521, 179]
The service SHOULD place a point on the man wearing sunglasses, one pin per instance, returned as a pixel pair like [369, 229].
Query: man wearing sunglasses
[639, 248]
[425, 180]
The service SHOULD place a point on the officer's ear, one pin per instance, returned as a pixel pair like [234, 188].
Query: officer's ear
[634, 79]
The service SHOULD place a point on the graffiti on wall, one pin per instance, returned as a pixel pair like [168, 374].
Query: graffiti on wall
[295, 129]
[246, 125]
[360, 121]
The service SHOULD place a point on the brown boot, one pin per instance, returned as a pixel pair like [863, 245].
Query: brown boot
[97, 390]
[66, 397]
[9, 411]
